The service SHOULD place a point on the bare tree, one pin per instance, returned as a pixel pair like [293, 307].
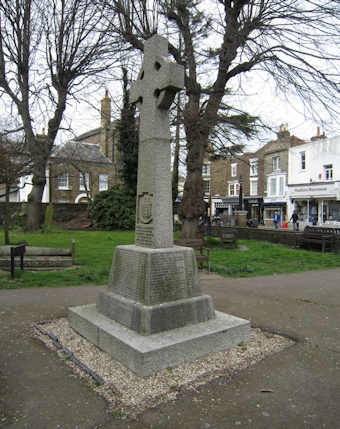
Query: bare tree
[293, 42]
[49, 51]
[14, 163]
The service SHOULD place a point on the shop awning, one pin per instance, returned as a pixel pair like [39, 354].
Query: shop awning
[280, 204]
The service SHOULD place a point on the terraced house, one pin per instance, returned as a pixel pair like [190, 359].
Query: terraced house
[82, 167]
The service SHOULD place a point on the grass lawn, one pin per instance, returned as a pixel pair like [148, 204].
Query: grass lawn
[94, 251]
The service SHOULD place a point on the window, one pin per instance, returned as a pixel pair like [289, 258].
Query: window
[303, 160]
[328, 170]
[234, 170]
[281, 185]
[276, 186]
[276, 163]
[272, 186]
[82, 184]
[63, 181]
[253, 187]
[206, 169]
[206, 186]
[234, 189]
[103, 182]
[253, 167]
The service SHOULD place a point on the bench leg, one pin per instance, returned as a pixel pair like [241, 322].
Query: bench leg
[12, 265]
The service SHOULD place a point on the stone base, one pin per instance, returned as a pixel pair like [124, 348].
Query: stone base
[151, 319]
[146, 355]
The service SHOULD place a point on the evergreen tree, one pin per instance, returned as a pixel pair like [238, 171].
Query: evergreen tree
[128, 141]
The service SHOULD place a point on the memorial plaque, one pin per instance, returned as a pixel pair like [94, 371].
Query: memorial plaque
[144, 235]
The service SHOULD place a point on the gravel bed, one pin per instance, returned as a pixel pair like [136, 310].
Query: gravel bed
[129, 395]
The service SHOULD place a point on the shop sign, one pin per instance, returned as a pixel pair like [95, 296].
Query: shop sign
[311, 190]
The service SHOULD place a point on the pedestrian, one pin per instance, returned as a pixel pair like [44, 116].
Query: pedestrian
[276, 219]
[294, 218]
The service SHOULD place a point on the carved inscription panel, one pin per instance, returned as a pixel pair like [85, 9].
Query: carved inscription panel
[129, 274]
[144, 235]
[168, 278]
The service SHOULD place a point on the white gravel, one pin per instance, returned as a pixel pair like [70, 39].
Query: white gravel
[129, 395]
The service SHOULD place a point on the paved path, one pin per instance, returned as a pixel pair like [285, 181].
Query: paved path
[38, 391]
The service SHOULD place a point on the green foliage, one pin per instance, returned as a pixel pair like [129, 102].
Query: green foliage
[114, 209]
[18, 219]
[128, 140]
[48, 218]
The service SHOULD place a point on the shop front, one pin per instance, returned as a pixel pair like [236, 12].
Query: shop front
[270, 208]
[225, 207]
[316, 204]
[254, 207]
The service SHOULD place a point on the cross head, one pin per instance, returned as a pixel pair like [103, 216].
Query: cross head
[155, 88]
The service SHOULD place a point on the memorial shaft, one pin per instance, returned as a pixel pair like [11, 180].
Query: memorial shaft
[154, 91]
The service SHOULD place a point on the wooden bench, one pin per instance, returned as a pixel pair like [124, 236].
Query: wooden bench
[320, 236]
[228, 238]
[203, 256]
[41, 258]
[202, 253]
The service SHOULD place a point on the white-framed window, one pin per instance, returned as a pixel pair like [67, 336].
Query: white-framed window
[281, 185]
[272, 186]
[206, 186]
[328, 171]
[206, 169]
[103, 182]
[276, 186]
[253, 168]
[233, 170]
[84, 180]
[63, 182]
[276, 163]
[253, 187]
[303, 160]
[234, 189]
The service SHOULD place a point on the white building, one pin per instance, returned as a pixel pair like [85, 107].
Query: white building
[314, 182]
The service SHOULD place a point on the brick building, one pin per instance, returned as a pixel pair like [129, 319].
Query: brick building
[82, 167]
[260, 176]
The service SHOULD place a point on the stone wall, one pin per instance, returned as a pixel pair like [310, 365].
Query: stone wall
[62, 212]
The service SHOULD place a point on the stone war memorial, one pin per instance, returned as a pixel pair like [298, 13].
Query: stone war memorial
[153, 314]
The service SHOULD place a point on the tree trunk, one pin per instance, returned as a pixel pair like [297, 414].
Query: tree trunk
[6, 215]
[35, 215]
[192, 207]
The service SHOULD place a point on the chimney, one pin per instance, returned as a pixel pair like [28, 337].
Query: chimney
[318, 136]
[284, 132]
[105, 123]
[105, 110]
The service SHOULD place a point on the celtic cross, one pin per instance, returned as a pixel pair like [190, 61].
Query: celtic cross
[158, 82]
